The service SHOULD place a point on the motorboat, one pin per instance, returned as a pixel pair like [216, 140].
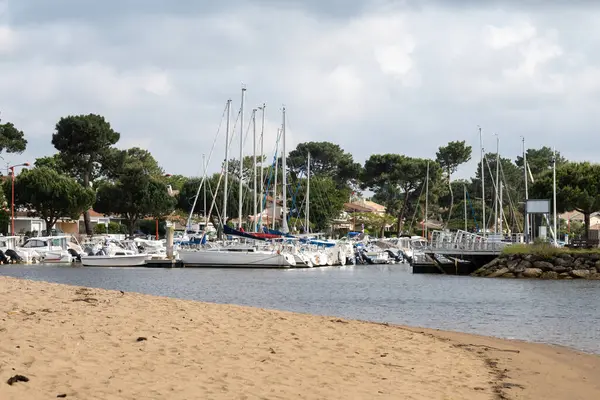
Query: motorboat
[50, 249]
[115, 254]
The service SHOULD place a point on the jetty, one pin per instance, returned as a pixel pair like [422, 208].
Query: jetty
[459, 253]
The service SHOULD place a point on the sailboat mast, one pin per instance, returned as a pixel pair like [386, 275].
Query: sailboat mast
[307, 223]
[465, 201]
[226, 163]
[254, 192]
[205, 178]
[275, 183]
[241, 191]
[482, 175]
[284, 225]
[262, 151]
[554, 215]
[426, 201]
[497, 184]
[526, 192]
[501, 211]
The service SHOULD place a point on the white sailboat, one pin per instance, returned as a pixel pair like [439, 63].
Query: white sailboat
[247, 256]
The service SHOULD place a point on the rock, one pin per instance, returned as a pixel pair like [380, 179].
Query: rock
[543, 265]
[549, 275]
[565, 275]
[498, 273]
[594, 276]
[580, 273]
[578, 262]
[532, 272]
[492, 263]
[509, 275]
[17, 378]
[566, 257]
[560, 268]
[594, 256]
[561, 262]
[523, 265]
[512, 264]
[531, 258]
[590, 263]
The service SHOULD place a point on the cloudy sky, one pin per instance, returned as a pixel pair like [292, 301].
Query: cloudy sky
[375, 76]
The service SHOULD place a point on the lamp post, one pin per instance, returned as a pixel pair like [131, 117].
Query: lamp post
[12, 203]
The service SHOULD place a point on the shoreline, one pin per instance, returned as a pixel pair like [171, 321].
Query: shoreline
[83, 342]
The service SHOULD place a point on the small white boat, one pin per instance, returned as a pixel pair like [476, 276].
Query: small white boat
[51, 249]
[116, 260]
[114, 253]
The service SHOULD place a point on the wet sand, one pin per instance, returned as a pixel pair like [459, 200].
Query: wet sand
[97, 344]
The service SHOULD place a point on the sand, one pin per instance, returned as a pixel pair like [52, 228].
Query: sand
[99, 344]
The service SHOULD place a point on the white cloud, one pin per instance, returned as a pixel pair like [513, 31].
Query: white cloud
[373, 79]
[8, 40]
[501, 37]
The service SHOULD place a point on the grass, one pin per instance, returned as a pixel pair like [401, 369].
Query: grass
[544, 250]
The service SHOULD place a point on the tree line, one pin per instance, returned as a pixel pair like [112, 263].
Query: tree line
[88, 172]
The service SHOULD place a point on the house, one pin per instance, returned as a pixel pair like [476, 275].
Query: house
[95, 218]
[347, 220]
[28, 225]
[570, 216]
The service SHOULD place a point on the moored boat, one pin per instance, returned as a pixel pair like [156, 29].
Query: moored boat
[120, 260]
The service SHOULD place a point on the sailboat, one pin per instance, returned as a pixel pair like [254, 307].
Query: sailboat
[236, 254]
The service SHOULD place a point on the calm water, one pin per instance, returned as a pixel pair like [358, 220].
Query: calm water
[561, 312]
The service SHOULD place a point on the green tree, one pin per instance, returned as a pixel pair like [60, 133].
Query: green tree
[326, 203]
[510, 176]
[83, 141]
[49, 195]
[190, 188]
[54, 162]
[375, 223]
[577, 188]
[12, 140]
[176, 181]
[450, 157]
[326, 159]
[233, 166]
[396, 177]
[113, 228]
[115, 161]
[540, 160]
[134, 193]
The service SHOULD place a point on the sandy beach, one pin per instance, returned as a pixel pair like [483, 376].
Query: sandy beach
[81, 343]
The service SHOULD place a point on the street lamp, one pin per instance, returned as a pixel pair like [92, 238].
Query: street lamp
[12, 204]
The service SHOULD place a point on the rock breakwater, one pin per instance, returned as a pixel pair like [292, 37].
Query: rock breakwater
[561, 266]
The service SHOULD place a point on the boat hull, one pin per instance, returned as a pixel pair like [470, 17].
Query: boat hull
[114, 261]
[235, 259]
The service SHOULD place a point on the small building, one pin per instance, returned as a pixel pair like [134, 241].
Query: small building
[96, 218]
[25, 224]
[571, 216]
